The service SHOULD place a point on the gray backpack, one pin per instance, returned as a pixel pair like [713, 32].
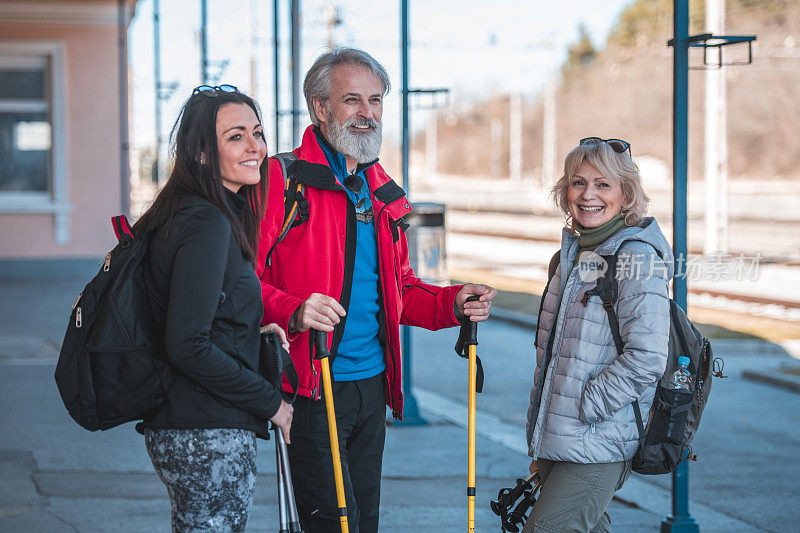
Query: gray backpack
[673, 420]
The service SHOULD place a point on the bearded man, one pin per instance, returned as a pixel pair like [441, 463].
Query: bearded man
[343, 268]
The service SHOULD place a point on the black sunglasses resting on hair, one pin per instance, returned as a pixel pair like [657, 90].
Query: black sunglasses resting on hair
[618, 145]
[214, 90]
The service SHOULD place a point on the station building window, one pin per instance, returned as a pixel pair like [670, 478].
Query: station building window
[32, 159]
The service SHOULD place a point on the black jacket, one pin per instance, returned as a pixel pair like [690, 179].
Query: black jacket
[210, 337]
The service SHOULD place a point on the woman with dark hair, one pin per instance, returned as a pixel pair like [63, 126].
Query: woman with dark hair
[203, 229]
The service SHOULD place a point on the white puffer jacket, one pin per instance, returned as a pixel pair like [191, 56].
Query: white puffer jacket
[581, 401]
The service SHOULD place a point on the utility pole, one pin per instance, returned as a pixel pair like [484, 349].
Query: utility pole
[549, 129]
[156, 171]
[431, 156]
[254, 27]
[716, 143]
[495, 136]
[295, 72]
[332, 13]
[203, 41]
[123, 18]
[515, 136]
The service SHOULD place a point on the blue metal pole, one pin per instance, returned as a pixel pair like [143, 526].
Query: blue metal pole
[295, 22]
[156, 173]
[277, 62]
[680, 521]
[411, 416]
[404, 75]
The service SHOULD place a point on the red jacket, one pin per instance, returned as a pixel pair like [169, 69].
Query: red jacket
[314, 257]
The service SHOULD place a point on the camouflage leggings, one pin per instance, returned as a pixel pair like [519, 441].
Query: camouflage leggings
[210, 476]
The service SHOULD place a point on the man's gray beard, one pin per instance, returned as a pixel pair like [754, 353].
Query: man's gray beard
[363, 147]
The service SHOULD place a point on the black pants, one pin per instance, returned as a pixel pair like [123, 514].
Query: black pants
[361, 423]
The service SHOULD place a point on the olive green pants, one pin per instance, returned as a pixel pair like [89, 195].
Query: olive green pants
[574, 497]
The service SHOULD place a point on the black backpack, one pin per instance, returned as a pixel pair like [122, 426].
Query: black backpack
[675, 415]
[111, 368]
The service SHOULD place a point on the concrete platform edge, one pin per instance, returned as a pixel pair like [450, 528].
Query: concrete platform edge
[636, 493]
[775, 378]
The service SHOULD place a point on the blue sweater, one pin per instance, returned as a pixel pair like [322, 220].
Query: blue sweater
[360, 354]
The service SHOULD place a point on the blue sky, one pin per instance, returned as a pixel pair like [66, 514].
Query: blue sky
[473, 47]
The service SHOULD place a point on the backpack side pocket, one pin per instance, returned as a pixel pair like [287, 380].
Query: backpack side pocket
[670, 412]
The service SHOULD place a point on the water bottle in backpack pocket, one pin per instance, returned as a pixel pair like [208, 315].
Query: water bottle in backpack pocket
[671, 405]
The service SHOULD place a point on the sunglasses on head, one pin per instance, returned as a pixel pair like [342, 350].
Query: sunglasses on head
[618, 145]
[214, 90]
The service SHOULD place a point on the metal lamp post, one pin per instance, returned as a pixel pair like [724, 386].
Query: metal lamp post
[681, 520]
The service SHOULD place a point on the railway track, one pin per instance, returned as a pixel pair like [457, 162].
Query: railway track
[526, 257]
[777, 241]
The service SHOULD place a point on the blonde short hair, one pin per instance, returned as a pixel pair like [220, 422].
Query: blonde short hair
[614, 166]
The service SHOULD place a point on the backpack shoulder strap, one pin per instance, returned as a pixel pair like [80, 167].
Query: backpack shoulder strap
[608, 290]
[551, 271]
[121, 227]
[293, 200]
[551, 268]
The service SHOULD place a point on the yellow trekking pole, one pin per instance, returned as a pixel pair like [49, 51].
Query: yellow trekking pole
[321, 344]
[471, 434]
[468, 339]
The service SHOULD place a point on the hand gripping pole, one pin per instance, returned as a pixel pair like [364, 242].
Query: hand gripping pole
[322, 353]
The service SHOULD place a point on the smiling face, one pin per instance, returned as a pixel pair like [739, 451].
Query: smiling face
[241, 144]
[593, 199]
[351, 116]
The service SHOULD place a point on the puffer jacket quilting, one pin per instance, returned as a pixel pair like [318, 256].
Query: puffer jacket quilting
[584, 411]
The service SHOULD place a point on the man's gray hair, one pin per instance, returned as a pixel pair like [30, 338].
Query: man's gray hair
[318, 79]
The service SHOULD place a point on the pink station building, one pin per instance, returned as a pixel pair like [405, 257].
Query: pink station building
[63, 132]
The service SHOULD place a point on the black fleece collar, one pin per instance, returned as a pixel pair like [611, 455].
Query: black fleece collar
[236, 200]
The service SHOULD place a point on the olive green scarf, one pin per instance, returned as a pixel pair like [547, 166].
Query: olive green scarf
[590, 238]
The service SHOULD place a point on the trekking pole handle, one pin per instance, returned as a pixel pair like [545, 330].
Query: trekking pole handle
[522, 486]
[472, 337]
[518, 516]
[321, 344]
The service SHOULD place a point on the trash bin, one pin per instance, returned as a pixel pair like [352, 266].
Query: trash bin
[426, 242]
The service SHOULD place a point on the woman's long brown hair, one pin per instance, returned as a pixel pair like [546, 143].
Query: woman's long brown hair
[195, 133]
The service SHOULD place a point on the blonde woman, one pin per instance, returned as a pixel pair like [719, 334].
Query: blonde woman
[581, 428]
